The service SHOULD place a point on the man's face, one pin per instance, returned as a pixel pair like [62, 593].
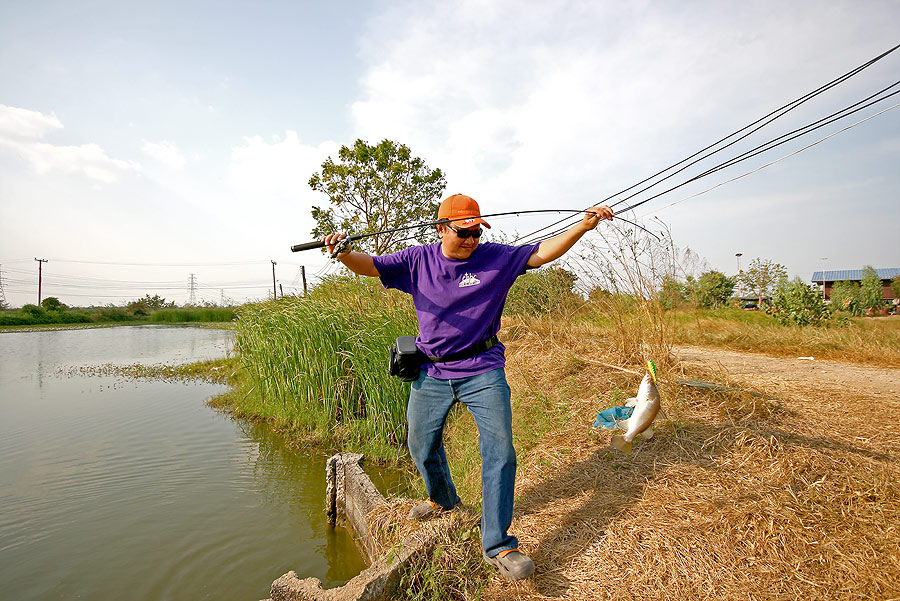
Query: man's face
[454, 247]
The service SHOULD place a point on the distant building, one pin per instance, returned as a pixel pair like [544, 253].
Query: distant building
[855, 275]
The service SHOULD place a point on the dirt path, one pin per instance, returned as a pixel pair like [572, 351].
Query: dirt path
[859, 404]
[808, 374]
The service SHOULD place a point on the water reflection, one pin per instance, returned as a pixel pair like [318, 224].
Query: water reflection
[116, 489]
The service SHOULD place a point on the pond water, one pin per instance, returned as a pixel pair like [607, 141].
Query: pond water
[121, 489]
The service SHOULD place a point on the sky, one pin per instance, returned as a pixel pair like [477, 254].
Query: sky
[144, 145]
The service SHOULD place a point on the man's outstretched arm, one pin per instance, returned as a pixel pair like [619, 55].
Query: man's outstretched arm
[555, 247]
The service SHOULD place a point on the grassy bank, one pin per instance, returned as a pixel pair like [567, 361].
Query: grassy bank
[737, 495]
[32, 315]
[316, 366]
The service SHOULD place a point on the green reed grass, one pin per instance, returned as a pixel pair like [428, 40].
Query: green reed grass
[319, 363]
[187, 314]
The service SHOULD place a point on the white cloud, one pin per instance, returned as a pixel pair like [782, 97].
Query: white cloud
[165, 152]
[276, 170]
[21, 131]
[534, 100]
[23, 124]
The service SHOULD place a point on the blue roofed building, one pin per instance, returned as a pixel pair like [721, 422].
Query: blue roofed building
[828, 278]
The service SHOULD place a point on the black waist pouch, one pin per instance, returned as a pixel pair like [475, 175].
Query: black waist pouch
[405, 359]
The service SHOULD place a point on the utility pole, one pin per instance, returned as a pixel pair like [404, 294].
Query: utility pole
[823, 259]
[303, 273]
[274, 289]
[740, 285]
[2, 295]
[40, 265]
[192, 283]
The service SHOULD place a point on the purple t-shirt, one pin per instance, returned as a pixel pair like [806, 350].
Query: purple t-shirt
[458, 302]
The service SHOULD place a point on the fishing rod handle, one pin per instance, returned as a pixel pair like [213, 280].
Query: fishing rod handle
[319, 244]
[308, 246]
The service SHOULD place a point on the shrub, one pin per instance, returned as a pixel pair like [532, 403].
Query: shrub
[542, 291]
[111, 313]
[796, 302]
[845, 297]
[51, 303]
[870, 289]
[139, 308]
[671, 293]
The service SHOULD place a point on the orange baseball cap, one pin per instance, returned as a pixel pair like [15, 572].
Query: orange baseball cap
[462, 210]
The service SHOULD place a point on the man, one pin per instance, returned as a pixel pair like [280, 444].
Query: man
[459, 288]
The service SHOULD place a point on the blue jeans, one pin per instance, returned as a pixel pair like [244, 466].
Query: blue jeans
[486, 396]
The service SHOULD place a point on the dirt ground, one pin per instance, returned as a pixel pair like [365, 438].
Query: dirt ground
[577, 503]
[857, 403]
[802, 373]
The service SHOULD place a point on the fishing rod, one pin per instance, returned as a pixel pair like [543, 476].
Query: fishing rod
[760, 149]
[352, 238]
[752, 127]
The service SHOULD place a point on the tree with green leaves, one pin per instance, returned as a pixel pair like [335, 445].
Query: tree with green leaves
[712, 289]
[895, 286]
[763, 275]
[51, 303]
[374, 188]
[155, 302]
[870, 289]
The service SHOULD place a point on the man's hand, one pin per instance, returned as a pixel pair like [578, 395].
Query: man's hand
[555, 247]
[357, 262]
[331, 242]
[594, 215]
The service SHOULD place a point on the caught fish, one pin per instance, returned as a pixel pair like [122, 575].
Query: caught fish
[640, 422]
[637, 416]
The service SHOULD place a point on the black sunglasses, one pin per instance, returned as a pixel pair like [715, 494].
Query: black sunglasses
[463, 234]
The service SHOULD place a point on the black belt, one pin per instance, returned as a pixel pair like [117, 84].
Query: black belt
[476, 349]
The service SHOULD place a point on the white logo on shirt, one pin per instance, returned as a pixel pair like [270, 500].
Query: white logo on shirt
[469, 280]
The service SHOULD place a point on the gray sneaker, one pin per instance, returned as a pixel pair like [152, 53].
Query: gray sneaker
[429, 509]
[425, 510]
[514, 565]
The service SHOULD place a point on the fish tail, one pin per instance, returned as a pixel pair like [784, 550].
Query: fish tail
[619, 442]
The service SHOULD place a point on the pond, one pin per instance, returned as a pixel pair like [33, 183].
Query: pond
[121, 489]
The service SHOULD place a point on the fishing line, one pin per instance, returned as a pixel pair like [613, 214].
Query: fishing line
[762, 148]
[831, 135]
[782, 110]
[770, 146]
[777, 114]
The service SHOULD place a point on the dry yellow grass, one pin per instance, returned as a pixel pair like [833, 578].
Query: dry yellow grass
[868, 340]
[736, 497]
